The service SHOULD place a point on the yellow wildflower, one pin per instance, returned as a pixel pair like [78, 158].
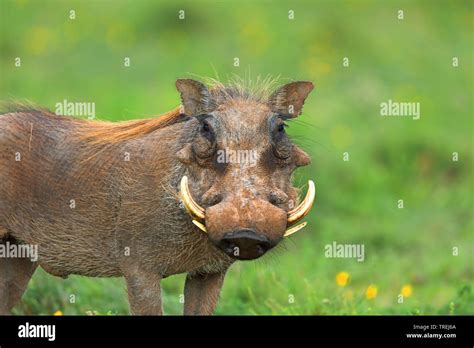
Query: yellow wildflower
[371, 292]
[58, 313]
[342, 278]
[407, 290]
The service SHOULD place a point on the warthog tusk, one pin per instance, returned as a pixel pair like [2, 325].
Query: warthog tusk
[300, 211]
[191, 206]
[294, 229]
[200, 225]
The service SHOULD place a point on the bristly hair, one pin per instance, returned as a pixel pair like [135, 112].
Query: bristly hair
[246, 88]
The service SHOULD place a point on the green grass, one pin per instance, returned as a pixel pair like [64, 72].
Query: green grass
[390, 158]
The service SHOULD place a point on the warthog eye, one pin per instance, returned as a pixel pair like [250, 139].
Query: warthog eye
[205, 144]
[207, 131]
[280, 141]
[206, 128]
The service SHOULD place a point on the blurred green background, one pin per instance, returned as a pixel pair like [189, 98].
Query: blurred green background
[391, 158]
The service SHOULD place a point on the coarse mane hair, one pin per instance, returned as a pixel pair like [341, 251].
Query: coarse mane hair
[101, 132]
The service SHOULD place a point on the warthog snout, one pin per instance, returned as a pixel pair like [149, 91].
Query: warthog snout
[244, 244]
[245, 229]
[243, 226]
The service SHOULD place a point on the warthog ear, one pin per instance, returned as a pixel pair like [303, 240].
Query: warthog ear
[288, 100]
[195, 96]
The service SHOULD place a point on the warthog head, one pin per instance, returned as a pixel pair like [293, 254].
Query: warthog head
[240, 162]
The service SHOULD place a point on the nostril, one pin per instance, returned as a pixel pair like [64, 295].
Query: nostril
[261, 249]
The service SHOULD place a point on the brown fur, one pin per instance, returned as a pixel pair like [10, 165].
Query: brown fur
[126, 219]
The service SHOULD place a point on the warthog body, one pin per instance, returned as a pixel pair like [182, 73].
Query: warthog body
[101, 199]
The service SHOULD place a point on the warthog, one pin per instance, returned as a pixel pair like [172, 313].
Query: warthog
[148, 199]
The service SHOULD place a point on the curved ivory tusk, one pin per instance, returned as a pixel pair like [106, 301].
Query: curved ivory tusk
[200, 225]
[300, 211]
[191, 206]
[294, 229]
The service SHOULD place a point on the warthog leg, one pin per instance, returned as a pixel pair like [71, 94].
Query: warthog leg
[201, 293]
[15, 273]
[144, 293]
